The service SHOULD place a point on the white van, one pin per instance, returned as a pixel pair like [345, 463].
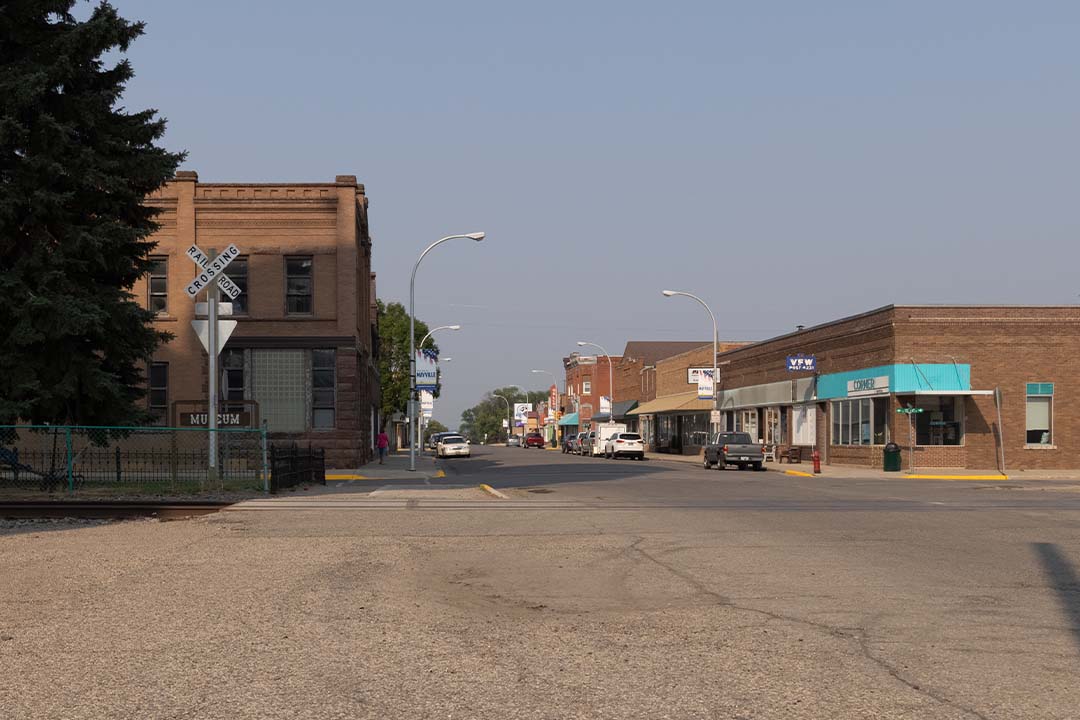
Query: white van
[603, 432]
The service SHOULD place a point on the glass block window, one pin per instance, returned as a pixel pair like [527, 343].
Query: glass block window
[298, 286]
[238, 273]
[278, 384]
[158, 391]
[158, 285]
[323, 384]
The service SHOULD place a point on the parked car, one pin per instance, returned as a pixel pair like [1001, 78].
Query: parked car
[624, 444]
[601, 435]
[513, 441]
[433, 441]
[452, 446]
[568, 444]
[733, 448]
[587, 441]
[535, 439]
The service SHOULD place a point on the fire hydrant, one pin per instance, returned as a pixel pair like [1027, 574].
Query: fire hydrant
[817, 461]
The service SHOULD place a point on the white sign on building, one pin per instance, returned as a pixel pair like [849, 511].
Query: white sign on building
[868, 386]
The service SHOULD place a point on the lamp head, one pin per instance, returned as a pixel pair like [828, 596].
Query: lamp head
[667, 293]
[453, 327]
[477, 236]
[582, 343]
[445, 359]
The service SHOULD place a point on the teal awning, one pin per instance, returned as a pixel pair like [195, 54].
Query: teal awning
[569, 419]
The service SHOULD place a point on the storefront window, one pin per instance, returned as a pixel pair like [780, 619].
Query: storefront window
[695, 429]
[941, 420]
[774, 426]
[881, 420]
[747, 421]
[667, 431]
[860, 422]
[1040, 412]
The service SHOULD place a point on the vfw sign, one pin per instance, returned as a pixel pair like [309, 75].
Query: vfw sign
[868, 386]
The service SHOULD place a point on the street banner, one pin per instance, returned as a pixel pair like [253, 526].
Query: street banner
[427, 403]
[605, 405]
[693, 375]
[426, 372]
[705, 385]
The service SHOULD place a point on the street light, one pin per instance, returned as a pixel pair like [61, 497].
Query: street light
[611, 381]
[434, 330]
[509, 414]
[477, 236]
[715, 335]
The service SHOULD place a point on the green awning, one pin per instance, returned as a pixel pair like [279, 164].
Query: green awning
[569, 419]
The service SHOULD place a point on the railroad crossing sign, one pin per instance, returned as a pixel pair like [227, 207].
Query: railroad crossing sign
[212, 269]
[909, 411]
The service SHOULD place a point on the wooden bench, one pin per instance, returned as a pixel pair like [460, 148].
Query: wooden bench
[793, 454]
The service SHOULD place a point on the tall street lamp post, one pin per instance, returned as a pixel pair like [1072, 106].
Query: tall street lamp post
[611, 381]
[477, 236]
[509, 414]
[716, 394]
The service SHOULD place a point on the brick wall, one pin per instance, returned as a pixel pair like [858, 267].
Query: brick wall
[268, 222]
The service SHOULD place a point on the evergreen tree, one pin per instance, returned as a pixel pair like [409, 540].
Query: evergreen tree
[74, 169]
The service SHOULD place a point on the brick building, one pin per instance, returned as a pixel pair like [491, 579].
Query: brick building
[587, 380]
[944, 361]
[670, 417]
[635, 373]
[303, 355]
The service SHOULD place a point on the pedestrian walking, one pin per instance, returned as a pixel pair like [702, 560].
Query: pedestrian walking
[383, 443]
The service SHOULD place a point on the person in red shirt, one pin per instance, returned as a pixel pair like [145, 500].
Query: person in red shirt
[383, 443]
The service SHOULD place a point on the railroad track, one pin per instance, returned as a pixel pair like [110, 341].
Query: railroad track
[109, 510]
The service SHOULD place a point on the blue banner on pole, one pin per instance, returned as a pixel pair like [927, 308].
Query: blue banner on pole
[801, 363]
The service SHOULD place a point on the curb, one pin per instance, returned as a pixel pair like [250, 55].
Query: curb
[956, 477]
[492, 491]
[798, 473]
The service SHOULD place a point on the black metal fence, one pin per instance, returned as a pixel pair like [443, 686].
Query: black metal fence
[129, 460]
[291, 465]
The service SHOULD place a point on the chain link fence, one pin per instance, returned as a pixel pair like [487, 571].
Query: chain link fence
[80, 460]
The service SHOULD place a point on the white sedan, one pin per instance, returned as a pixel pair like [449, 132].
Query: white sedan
[452, 446]
[625, 445]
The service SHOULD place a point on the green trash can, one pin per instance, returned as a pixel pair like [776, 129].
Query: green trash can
[892, 458]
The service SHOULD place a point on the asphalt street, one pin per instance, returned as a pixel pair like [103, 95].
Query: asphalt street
[599, 589]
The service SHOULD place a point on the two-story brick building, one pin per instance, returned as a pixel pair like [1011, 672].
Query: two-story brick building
[303, 355]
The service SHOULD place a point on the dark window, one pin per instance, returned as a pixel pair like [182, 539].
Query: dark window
[322, 388]
[233, 379]
[158, 300]
[238, 273]
[298, 286]
[158, 391]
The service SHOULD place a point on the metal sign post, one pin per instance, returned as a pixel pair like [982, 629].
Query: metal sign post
[210, 278]
[911, 412]
[211, 409]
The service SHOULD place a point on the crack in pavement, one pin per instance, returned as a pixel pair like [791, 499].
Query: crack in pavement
[857, 634]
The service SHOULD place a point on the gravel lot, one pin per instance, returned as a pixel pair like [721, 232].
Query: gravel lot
[544, 609]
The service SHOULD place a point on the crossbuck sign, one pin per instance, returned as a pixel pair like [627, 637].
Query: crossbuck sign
[211, 270]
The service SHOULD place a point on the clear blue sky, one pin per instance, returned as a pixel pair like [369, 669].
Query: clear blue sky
[790, 162]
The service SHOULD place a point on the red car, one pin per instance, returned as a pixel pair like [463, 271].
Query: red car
[535, 439]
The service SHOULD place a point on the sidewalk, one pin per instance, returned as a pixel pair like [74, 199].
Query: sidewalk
[395, 468]
[806, 469]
